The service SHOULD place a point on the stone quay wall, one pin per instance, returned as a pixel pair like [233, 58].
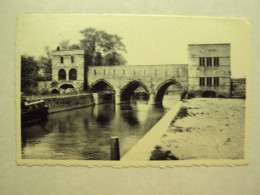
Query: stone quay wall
[61, 103]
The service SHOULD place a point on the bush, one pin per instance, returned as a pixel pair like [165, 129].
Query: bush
[183, 95]
[191, 95]
[44, 92]
[159, 154]
[54, 84]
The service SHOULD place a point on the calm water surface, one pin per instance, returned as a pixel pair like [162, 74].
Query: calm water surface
[84, 134]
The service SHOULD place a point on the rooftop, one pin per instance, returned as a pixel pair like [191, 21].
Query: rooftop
[211, 44]
[68, 52]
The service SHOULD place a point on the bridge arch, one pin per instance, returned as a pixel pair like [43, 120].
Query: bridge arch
[128, 90]
[161, 89]
[101, 85]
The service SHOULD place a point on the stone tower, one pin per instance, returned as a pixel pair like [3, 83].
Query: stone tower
[209, 70]
[68, 68]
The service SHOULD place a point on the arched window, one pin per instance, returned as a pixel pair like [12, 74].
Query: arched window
[73, 74]
[72, 59]
[61, 60]
[62, 74]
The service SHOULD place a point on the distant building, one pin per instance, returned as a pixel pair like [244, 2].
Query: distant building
[209, 69]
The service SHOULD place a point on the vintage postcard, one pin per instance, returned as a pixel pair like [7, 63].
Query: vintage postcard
[132, 90]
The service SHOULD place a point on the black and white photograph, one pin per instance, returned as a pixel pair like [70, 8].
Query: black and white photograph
[132, 90]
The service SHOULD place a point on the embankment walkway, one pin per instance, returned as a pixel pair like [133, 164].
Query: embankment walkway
[142, 150]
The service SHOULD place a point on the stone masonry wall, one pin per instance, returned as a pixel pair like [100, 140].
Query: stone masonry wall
[57, 104]
[238, 88]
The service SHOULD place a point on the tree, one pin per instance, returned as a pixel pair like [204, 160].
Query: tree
[65, 45]
[45, 65]
[98, 42]
[74, 46]
[29, 75]
[114, 59]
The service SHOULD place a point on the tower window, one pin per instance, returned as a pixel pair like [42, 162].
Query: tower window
[62, 74]
[216, 81]
[73, 74]
[72, 59]
[216, 61]
[202, 81]
[61, 59]
[209, 61]
[209, 81]
[202, 61]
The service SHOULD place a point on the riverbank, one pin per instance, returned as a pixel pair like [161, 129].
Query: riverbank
[203, 129]
[207, 129]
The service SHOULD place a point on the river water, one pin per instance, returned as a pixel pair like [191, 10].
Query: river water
[84, 133]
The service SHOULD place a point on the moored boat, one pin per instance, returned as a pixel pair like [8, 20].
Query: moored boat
[32, 112]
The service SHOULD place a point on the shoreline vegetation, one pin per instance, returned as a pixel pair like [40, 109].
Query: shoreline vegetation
[204, 128]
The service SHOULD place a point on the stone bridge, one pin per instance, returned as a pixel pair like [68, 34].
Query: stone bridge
[124, 80]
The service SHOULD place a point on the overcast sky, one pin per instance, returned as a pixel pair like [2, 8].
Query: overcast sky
[148, 39]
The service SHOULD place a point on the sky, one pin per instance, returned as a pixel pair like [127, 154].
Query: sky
[149, 40]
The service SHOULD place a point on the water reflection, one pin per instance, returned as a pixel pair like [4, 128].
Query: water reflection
[129, 114]
[84, 134]
[105, 114]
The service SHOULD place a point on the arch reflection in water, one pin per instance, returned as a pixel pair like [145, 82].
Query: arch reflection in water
[105, 113]
[129, 115]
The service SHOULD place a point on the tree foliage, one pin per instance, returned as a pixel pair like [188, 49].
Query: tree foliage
[29, 74]
[103, 48]
[33, 70]
[45, 66]
[114, 59]
[65, 45]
